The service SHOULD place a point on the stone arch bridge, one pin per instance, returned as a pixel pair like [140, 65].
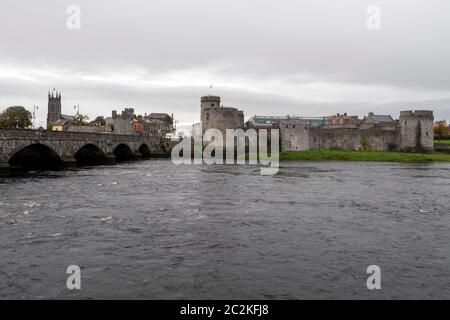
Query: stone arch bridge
[43, 148]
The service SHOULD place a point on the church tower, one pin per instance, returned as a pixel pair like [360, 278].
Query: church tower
[54, 107]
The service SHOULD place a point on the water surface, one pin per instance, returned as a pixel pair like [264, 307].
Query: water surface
[152, 229]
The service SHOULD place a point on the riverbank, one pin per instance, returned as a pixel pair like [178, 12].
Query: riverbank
[442, 141]
[354, 155]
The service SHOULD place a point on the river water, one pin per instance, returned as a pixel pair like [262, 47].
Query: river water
[151, 229]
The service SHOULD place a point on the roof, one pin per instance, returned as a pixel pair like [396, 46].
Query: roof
[158, 115]
[66, 117]
[61, 122]
[381, 118]
[277, 119]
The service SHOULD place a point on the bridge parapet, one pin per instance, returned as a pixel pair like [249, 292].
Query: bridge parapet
[67, 144]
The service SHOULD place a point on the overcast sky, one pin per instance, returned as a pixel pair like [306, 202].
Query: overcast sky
[306, 58]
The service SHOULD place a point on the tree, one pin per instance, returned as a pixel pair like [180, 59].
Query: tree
[441, 127]
[168, 120]
[15, 117]
[81, 120]
[99, 121]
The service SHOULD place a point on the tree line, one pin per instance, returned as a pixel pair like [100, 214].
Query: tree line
[19, 117]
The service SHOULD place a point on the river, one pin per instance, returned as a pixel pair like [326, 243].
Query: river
[155, 230]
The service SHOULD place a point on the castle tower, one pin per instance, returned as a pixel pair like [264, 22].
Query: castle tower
[208, 104]
[54, 107]
[122, 123]
[216, 116]
[416, 131]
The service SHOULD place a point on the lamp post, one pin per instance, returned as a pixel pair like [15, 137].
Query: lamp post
[35, 107]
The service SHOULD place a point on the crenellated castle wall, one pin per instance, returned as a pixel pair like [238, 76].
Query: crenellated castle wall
[414, 133]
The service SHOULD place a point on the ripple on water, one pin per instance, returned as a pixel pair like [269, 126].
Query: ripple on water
[204, 232]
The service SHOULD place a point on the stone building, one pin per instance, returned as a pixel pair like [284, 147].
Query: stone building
[54, 107]
[60, 125]
[414, 132]
[378, 120]
[122, 123]
[158, 124]
[54, 111]
[153, 125]
[294, 134]
[267, 122]
[342, 121]
[138, 125]
[214, 115]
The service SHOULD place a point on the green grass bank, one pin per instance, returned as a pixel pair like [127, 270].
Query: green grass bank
[442, 141]
[353, 155]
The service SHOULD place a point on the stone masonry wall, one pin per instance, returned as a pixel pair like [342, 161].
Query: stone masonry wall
[294, 135]
[66, 144]
[222, 118]
[416, 131]
[302, 138]
[354, 139]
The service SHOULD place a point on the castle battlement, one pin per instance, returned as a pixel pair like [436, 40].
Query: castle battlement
[416, 113]
[127, 113]
[210, 99]
[54, 96]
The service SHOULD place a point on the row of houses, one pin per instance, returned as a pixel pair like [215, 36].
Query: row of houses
[331, 122]
[153, 124]
[127, 122]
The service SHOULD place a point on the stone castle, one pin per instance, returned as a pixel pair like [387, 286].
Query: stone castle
[123, 122]
[413, 132]
[214, 115]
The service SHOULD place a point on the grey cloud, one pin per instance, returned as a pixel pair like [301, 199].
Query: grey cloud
[280, 40]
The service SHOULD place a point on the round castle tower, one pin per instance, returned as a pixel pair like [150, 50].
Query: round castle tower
[214, 115]
[416, 131]
[210, 101]
[207, 106]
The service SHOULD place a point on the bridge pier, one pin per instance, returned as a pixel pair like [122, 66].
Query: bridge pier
[69, 162]
[110, 159]
[4, 165]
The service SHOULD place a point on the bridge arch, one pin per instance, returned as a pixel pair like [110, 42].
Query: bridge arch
[123, 152]
[35, 156]
[144, 150]
[90, 155]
